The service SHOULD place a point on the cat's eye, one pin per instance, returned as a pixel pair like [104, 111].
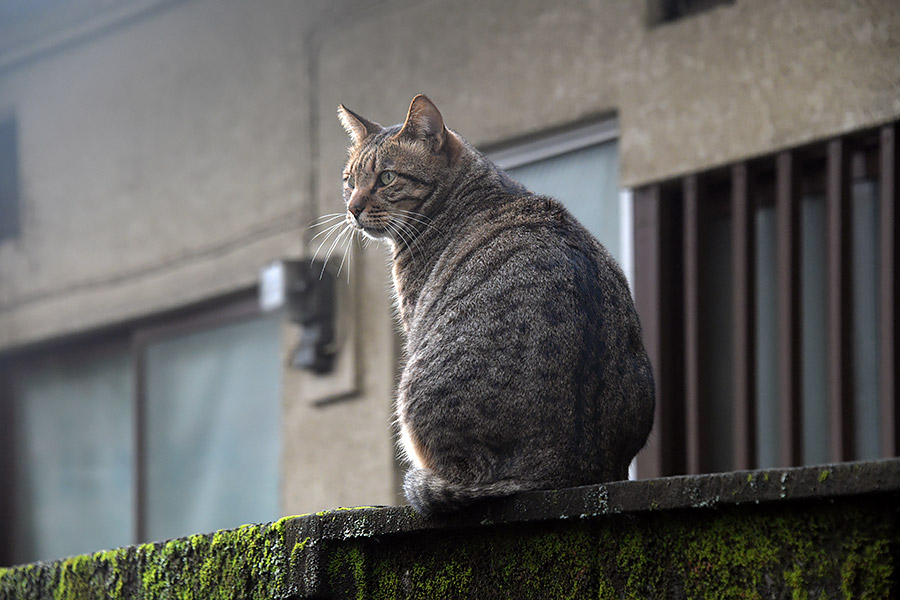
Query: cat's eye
[388, 177]
[350, 181]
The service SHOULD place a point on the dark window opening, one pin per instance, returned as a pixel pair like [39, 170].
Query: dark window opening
[666, 11]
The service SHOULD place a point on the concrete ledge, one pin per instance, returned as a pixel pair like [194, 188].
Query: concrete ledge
[831, 531]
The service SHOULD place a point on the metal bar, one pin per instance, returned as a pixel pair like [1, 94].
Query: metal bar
[839, 310]
[139, 400]
[8, 508]
[787, 207]
[743, 238]
[694, 434]
[890, 404]
[647, 299]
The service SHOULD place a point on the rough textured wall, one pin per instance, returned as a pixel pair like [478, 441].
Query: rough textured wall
[816, 532]
[739, 80]
[162, 163]
[341, 452]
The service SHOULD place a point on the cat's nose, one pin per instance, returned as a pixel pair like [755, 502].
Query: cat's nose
[356, 209]
[357, 203]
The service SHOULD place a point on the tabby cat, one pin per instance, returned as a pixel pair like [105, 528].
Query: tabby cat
[524, 364]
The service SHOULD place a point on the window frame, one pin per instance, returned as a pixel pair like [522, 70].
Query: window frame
[543, 146]
[133, 339]
[576, 137]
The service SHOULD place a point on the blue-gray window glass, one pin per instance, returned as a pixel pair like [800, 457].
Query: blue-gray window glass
[213, 434]
[768, 446]
[74, 440]
[814, 340]
[587, 182]
[814, 396]
[866, 332]
[813, 327]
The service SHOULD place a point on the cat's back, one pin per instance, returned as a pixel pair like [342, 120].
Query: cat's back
[522, 251]
[528, 315]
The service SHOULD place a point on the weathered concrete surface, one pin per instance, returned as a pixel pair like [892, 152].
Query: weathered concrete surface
[831, 531]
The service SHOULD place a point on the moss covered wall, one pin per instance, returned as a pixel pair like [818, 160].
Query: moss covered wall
[810, 533]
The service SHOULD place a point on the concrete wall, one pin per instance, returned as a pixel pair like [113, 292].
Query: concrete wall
[739, 80]
[162, 163]
[817, 532]
[165, 159]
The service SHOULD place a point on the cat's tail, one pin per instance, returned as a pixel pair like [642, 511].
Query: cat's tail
[430, 494]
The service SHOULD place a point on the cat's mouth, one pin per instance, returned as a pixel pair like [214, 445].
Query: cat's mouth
[371, 230]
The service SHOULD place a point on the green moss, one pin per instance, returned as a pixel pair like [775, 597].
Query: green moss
[634, 558]
[867, 570]
[323, 513]
[75, 578]
[349, 565]
[794, 579]
[728, 556]
[802, 551]
[248, 562]
[724, 553]
[451, 578]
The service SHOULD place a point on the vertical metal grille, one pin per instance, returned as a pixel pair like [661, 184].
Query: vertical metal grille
[674, 283]
[787, 207]
[838, 302]
[694, 430]
[890, 405]
[743, 236]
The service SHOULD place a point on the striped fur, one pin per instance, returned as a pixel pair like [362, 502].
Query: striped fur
[524, 367]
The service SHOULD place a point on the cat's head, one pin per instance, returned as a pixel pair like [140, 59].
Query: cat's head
[393, 172]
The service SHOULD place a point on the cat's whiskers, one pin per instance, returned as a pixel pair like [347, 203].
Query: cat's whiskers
[323, 219]
[346, 254]
[396, 233]
[329, 232]
[410, 238]
[342, 235]
[331, 228]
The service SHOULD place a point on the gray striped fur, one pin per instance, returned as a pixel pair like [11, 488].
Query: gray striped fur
[524, 362]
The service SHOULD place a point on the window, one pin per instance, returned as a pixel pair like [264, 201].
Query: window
[580, 168]
[9, 180]
[666, 11]
[213, 408]
[767, 291]
[167, 431]
[74, 456]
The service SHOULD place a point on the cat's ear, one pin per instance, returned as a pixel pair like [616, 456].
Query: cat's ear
[356, 127]
[424, 122]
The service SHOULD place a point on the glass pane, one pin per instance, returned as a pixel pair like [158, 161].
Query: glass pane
[768, 445]
[74, 457]
[813, 293]
[865, 318]
[213, 435]
[586, 181]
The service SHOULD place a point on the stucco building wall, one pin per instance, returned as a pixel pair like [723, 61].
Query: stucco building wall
[164, 160]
